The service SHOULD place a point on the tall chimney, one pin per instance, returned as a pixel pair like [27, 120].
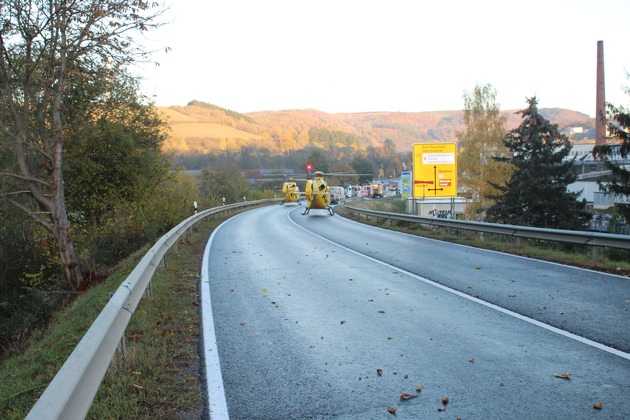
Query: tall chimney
[600, 105]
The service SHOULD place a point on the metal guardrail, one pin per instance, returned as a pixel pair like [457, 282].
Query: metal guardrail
[557, 235]
[71, 392]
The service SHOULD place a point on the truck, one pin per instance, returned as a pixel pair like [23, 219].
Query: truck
[337, 194]
[376, 190]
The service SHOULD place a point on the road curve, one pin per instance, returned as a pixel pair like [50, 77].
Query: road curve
[591, 304]
[302, 326]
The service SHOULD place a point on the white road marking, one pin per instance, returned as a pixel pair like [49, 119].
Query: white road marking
[494, 251]
[217, 405]
[497, 308]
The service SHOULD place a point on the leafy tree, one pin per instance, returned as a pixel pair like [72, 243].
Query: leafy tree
[225, 182]
[536, 193]
[482, 140]
[319, 159]
[116, 157]
[362, 165]
[56, 59]
[619, 128]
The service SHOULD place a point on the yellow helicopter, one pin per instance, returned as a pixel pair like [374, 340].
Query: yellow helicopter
[317, 192]
[291, 192]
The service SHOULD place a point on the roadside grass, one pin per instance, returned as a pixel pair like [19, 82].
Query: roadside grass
[610, 261]
[25, 375]
[158, 377]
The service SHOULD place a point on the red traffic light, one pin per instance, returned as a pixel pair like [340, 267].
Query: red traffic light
[309, 167]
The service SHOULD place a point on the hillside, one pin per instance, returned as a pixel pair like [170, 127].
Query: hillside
[199, 127]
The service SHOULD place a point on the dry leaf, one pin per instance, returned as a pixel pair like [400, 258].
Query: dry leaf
[379, 372]
[598, 405]
[419, 388]
[404, 396]
[472, 360]
[564, 375]
[444, 401]
[137, 386]
[342, 322]
[392, 410]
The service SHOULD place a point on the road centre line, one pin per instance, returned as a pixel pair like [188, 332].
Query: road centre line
[497, 308]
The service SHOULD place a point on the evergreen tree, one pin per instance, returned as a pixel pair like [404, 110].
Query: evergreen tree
[619, 128]
[536, 194]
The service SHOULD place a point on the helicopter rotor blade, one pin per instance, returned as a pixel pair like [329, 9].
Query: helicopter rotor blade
[344, 174]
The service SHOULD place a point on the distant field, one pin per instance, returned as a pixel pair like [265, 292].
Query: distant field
[201, 130]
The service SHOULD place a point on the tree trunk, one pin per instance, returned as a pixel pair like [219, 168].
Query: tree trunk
[65, 246]
[61, 225]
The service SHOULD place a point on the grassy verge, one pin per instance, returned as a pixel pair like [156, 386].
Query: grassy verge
[159, 375]
[611, 261]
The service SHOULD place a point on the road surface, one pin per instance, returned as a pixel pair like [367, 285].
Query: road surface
[303, 325]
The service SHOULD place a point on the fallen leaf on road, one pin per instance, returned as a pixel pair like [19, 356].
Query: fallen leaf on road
[471, 360]
[419, 388]
[379, 372]
[564, 375]
[342, 322]
[381, 312]
[242, 323]
[392, 410]
[477, 268]
[404, 396]
[445, 402]
[598, 405]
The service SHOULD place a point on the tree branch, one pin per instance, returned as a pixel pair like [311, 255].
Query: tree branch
[34, 215]
[25, 178]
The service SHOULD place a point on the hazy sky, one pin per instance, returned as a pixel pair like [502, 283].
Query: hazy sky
[387, 55]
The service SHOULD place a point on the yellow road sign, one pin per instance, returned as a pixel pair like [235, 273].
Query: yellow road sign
[434, 170]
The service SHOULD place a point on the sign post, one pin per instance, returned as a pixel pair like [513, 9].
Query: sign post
[434, 170]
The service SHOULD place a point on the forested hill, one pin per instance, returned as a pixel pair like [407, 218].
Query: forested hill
[199, 127]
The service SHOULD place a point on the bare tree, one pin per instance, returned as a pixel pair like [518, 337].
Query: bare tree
[53, 54]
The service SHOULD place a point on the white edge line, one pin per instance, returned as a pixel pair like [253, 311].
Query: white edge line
[217, 404]
[574, 267]
[497, 308]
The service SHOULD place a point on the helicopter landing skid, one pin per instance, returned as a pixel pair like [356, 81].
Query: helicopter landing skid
[307, 210]
[331, 211]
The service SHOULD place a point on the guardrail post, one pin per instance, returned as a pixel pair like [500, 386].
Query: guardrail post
[122, 346]
[149, 290]
[597, 253]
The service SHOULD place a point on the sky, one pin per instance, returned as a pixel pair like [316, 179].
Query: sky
[386, 55]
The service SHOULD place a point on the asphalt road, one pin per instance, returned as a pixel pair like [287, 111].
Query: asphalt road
[302, 325]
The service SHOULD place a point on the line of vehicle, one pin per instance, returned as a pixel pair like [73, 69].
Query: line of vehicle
[493, 306]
